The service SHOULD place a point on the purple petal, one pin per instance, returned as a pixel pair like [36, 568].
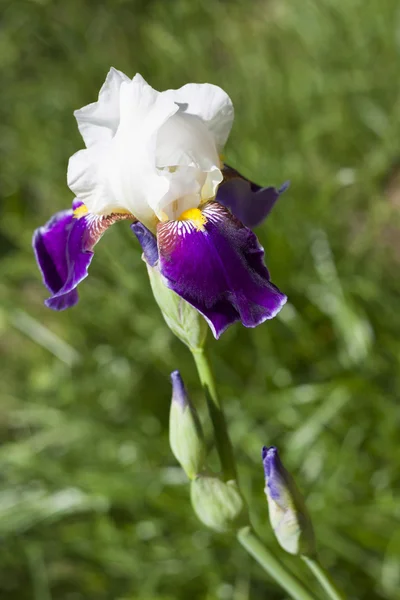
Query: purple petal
[219, 269]
[148, 242]
[273, 470]
[64, 250]
[61, 257]
[250, 203]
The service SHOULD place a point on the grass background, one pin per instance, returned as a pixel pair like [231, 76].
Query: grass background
[92, 504]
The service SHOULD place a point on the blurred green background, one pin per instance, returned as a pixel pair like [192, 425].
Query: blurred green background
[92, 504]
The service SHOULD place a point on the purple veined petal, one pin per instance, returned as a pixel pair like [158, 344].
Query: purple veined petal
[63, 249]
[219, 269]
[249, 202]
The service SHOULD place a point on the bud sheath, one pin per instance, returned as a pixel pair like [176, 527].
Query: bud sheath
[218, 504]
[183, 320]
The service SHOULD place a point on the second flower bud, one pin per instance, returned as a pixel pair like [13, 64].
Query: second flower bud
[185, 433]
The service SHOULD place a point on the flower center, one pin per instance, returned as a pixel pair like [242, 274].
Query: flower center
[196, 216]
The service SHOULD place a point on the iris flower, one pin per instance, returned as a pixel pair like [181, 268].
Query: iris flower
[154, 158]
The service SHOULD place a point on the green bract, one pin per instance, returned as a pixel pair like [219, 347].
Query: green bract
[183, 320]
[218, 504]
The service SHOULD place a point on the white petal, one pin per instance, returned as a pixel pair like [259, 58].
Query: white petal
[184, 140]
[211, 104]
[213, 179]
[185, 145]
[122, 172]
[183, 193]
[142, 107]
[134, 135]
[98, 122]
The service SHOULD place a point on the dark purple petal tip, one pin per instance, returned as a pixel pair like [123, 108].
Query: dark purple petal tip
[219, 269]
[148, 242]
[250, 203]
[179, 394]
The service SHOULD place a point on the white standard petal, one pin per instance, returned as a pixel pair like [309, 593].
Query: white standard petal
[183, 140]
[184, 192]
[98, 122]
[122, 172]
[211, 104]
[189, 188]
[186, 148]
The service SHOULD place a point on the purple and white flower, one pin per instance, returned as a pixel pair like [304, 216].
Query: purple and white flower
[154, 158]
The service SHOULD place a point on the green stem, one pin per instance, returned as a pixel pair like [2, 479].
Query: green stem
[222, 439]
[271, 565]
[324, 578]
[41, 589]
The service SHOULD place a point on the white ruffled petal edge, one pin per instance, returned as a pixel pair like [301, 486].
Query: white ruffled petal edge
[98, 121]
[211, 104]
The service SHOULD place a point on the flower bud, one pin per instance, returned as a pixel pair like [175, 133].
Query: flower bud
[183, 319]
[218, 504]
[185, 433]
[287, 511]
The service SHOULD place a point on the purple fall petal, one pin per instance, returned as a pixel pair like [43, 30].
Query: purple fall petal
[249, 202]
[219, 269]
[64, 250]
[58, 250]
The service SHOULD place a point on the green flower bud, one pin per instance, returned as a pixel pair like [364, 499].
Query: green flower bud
[183, 320]
[185, 433]
[218, 504]
[288, 514]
